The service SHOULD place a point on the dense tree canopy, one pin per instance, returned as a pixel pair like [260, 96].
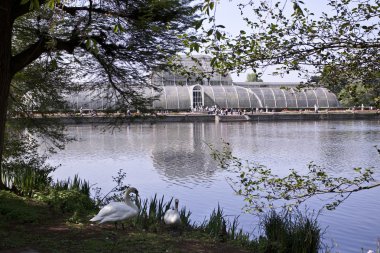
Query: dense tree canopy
[340, 40]
[111, 45]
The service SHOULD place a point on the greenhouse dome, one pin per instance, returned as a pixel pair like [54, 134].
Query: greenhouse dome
[207, 88]
[233, 96]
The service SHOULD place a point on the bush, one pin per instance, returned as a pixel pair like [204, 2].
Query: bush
[73, 202]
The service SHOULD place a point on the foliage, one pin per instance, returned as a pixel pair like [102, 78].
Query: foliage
[215, 226]
[24, 169]
[28, 142]
[262, 189]
[101, 47]
[71, 201]
[221, 229]
[17, 210]
[39, 87]
[290, 232]
[253, 77]
[357, 94]
[105, 47]
[115, 194]
[152, 214]
[274, 36]
[341, 41]
[350, 92]
[14, 208]
[152, 211]
[76, 184]
[185, 214]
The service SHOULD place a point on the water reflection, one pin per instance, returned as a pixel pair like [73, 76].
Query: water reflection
[173, 159]
[184, 154]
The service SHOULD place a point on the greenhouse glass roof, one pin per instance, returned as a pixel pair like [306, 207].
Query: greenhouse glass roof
[207, 88]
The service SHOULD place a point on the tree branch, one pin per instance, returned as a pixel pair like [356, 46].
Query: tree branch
[19, 9]
[24, 58]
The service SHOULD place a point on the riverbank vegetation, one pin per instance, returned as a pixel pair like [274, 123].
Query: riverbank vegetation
[263, 189]
[37, 213]
[56, 219]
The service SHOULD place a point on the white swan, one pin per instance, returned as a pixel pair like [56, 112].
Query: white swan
[118, 211]
[171, 216]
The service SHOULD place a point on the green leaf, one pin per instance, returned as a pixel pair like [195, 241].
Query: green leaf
[116, 28]
[211, 6]
[35, 4]
[51, 4]
[88, 43]
[218, 35]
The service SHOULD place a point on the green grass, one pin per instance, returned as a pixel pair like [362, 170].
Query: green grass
[58, 222]
[17, 209]
[27, 223]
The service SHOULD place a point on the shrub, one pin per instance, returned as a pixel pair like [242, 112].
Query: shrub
[68, 201]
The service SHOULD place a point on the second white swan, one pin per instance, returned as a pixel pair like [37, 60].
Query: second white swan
[171, 216]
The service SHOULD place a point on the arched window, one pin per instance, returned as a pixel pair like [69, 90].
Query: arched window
[197, 97]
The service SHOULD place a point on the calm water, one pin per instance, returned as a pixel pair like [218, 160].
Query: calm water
[173, 159]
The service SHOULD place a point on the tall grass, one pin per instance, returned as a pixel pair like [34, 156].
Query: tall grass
[25, 180]
[222, 229]
[294, 232]
[75, 184]
[152, 212]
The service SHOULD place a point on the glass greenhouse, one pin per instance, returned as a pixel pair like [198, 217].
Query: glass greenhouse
[233, 96]
[209, 89]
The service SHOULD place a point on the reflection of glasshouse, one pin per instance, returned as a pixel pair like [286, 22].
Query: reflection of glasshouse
[180, 93]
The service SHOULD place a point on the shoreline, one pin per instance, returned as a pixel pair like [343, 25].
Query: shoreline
[202, 117]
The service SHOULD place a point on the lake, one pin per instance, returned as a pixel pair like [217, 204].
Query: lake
[173, 159]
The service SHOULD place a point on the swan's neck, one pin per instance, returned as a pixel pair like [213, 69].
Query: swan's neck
[130, 203]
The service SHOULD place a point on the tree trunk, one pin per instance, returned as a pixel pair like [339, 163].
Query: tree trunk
[5, 70]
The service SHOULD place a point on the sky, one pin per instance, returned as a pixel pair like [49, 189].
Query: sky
[228, 14]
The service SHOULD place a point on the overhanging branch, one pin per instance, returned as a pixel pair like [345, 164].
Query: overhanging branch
[24, 58]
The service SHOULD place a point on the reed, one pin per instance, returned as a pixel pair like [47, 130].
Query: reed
[222, 229]
[25, 180]
[236, 233]
[76, 184]
[295, 232]
[214, 225]
[185, 217]
[152, 212]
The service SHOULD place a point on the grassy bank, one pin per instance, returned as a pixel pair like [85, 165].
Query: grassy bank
[29, 224]
[59, 223]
